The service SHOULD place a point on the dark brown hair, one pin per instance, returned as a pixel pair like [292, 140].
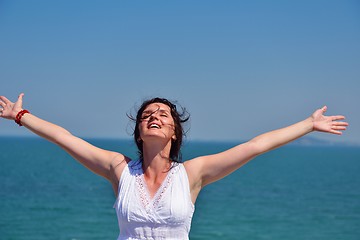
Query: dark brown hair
[179, 119]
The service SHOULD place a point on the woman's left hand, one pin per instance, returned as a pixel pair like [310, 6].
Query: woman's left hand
[329, 124]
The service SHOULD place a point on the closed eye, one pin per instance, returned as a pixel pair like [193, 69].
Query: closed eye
[145, 116]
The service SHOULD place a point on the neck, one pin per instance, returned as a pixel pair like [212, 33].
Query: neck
[156, 157]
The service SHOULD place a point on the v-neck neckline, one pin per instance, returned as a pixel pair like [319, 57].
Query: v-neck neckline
[145, 196]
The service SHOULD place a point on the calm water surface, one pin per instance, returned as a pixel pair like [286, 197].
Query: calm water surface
[293, 193]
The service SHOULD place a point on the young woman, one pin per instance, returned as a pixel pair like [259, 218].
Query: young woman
[156, 192]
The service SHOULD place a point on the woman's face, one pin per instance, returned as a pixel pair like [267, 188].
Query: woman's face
[157, 122]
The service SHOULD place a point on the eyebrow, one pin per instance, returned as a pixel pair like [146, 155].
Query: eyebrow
[157, 110]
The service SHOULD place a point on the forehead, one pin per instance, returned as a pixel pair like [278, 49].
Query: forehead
[157, 107]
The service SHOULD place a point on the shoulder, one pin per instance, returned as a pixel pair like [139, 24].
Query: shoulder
[193, 166]
[118, 163]
[193, 169]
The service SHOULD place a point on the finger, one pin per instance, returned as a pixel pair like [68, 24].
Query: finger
[5, 100]
[324, 109]
[337, 117]
[335, 132]
[20, 98]
[2, 104]
[338, 128]
[340, 124]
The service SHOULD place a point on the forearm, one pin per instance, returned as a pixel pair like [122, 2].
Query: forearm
[96, 159]
[273, 139]
[43, 128]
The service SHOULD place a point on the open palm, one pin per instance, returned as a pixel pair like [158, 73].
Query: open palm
[10, 109]
[330, 124]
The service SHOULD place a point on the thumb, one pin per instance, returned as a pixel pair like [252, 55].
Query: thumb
[324, 109]
[20, 100]
[21, 95]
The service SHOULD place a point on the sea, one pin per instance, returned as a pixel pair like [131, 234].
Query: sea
[295, 192]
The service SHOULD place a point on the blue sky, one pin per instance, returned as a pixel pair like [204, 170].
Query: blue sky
[239, 67]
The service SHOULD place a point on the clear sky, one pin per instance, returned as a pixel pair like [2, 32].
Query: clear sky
[239, 67]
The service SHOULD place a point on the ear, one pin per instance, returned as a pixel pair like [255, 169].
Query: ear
[173, 137]
[139, 140]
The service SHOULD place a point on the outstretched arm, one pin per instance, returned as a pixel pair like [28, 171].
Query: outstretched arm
[207, 169]
[316, 122]
[98, 160]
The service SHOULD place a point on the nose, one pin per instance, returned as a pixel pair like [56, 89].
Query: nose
[154, 116]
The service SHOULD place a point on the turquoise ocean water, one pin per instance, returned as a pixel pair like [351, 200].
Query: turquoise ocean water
[295, 192]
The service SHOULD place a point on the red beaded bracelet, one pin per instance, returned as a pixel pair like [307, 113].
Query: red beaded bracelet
[19, 116]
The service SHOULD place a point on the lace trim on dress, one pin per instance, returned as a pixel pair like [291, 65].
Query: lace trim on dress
[145, 198]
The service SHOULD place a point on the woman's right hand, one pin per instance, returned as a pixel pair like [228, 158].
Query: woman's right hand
[10, 109]
[100, 161]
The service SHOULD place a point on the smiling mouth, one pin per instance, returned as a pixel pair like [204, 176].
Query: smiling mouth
[154, 126]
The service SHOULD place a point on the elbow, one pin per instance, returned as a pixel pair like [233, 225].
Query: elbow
[61, 137]
[258, 147]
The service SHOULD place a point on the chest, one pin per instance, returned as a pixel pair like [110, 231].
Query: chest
[169, 203]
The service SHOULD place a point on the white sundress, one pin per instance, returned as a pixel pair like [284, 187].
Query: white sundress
[165, 216]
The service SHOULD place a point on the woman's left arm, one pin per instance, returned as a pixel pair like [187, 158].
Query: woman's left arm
[316, 122]
[207, 169]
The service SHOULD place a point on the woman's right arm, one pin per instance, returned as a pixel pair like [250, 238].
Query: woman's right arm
[98, 160]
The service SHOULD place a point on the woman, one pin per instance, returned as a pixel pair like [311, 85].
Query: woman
[156, 193]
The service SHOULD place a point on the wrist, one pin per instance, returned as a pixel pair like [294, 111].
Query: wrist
[310, 124]
[15, 113]
[19, 116]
